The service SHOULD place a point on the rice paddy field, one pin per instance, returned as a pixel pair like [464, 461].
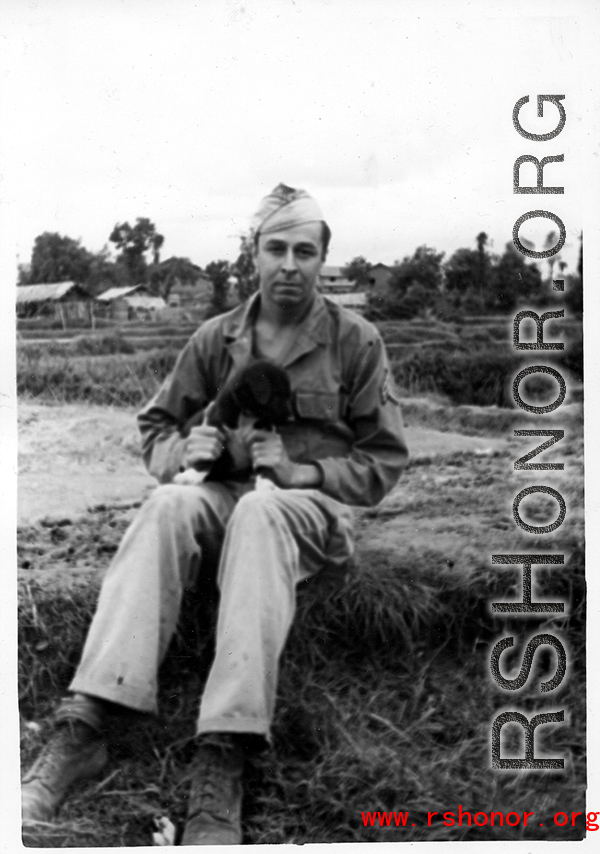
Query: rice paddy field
[386, 699]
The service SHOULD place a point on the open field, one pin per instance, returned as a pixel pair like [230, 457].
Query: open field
[386, 699]
[466, 363]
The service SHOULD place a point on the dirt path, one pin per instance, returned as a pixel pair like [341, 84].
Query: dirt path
[76, 456]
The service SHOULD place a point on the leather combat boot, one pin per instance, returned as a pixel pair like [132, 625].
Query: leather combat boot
[215, 799]
[74, 753]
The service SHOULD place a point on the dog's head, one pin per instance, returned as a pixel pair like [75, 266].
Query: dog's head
[262, 390]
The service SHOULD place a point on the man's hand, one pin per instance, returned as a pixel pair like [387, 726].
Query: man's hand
[204, 444]
[269, 454]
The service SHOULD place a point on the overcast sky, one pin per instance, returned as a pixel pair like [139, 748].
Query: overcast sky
[396, 116]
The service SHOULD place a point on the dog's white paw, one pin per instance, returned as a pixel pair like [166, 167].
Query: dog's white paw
[190, 477]
[264, 484]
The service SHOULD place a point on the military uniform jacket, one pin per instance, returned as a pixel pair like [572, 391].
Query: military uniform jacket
[348, 419]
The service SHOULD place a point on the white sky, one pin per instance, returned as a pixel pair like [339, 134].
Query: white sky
[396, 116]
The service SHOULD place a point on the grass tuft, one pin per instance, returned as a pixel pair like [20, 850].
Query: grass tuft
[385, 701]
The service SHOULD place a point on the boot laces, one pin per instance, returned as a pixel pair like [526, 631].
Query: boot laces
[217, 760]
[69, 738]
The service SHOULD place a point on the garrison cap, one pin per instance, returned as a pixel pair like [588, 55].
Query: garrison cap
[285, 207]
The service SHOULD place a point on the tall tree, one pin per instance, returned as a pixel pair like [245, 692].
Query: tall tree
[422, 268]
[468, 272]
[482, 265]
[55, 258]
[550, 243]
[134, 242]
[104, 273]
[357, 271]
[219, 272]
[514, 280]
[173, 270]
[244, 269]
[461, 271]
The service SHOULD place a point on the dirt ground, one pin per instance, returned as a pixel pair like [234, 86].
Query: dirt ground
[74, 457]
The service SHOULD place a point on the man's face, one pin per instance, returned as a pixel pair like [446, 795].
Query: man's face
[288, 263]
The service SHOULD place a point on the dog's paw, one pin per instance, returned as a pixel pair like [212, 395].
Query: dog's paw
[264, 484]
[190, 477]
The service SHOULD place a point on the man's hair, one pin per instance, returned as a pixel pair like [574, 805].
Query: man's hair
[325, 238]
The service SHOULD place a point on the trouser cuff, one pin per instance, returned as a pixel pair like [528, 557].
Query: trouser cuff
[250, 742]
[237, 726]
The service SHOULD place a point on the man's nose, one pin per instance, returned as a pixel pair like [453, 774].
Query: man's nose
[289, 262]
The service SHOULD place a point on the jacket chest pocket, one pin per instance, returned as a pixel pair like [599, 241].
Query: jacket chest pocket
[318, 406]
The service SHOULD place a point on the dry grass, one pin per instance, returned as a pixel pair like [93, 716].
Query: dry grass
[114, 380]
[467, 366]
[437, 413]
[480, 373]
[385, 698]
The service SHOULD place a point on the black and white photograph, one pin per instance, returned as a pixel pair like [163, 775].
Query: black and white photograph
[295, 511]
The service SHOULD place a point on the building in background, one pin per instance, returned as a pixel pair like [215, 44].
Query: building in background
[129, 303]
[332, 280]
[188, 293]
[64, 301]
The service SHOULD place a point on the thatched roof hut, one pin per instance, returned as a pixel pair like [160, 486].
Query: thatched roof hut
[66, 300]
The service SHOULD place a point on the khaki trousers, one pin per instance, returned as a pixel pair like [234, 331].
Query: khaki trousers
[270, 540]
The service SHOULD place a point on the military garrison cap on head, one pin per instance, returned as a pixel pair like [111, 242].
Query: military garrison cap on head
[285, 207]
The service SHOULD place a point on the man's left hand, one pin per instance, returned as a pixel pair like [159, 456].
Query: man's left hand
[268, 452]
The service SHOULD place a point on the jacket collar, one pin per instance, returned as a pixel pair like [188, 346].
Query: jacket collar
[312, 332]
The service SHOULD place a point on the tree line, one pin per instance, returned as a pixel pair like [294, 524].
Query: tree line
[471, 281]
[58, 258]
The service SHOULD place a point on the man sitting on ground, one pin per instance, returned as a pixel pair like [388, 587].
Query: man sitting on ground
[344, 447]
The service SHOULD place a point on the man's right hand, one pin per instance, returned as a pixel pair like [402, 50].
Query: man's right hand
[204, 444]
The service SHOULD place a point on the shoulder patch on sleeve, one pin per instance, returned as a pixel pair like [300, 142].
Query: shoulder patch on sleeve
[387, 390]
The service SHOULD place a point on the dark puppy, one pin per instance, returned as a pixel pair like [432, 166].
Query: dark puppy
[261, 391]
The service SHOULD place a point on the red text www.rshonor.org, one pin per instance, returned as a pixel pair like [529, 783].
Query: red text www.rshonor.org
[464, 818]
